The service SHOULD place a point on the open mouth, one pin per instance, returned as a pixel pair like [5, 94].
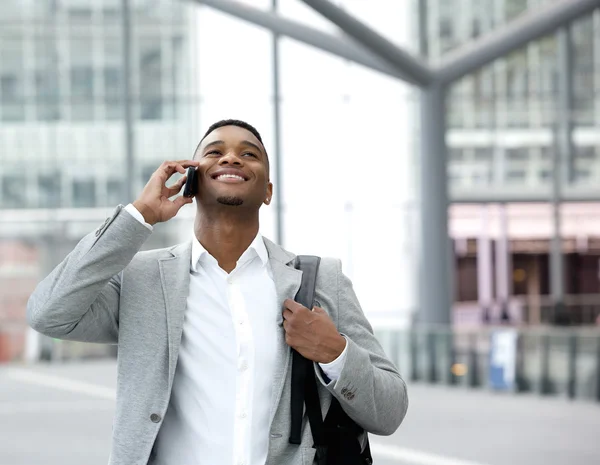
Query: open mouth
[229, 175]
[230, 178]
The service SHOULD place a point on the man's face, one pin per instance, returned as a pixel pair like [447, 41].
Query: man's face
[234, 169]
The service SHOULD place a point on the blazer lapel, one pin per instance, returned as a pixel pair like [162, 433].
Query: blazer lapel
[175, 278]
[287, 282]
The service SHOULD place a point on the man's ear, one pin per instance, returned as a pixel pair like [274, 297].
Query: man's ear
[269, 192]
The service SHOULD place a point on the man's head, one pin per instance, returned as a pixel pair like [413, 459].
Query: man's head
[234, 165]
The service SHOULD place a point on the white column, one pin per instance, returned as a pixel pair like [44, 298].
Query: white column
[484, 263]
[503, 261]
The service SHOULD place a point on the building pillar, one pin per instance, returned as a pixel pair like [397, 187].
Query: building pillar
[484, 265]
[435, 294]
[503, 266]
[562, 169]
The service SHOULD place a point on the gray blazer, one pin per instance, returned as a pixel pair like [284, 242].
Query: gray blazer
[107, 291]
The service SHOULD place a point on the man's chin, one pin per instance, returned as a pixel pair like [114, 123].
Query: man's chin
[232, 201]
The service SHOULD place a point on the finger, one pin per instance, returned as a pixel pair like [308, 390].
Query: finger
[168, 168]
[287, 314]
[175, 188]
[318, 310]
[181, 201]
[292, 305]
[188, 163]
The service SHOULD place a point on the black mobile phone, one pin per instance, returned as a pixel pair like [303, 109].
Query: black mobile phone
[191, 183]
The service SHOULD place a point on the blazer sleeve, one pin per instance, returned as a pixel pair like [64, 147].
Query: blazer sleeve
[79, 299]
[369, 389]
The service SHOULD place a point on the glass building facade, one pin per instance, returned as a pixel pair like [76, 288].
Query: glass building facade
[503, 118]
[62, 136]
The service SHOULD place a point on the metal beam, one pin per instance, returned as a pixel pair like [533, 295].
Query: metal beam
[343, 47]
[130, 181]
[436, 252]
[418, 71]
[530, 26]
[277, 134]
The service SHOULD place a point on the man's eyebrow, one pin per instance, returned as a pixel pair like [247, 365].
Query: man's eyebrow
[214, 142]
[252, 144]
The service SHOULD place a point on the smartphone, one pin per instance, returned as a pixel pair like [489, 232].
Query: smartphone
[191, 184]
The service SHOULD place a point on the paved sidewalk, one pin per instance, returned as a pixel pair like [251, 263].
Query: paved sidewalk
[62, 415]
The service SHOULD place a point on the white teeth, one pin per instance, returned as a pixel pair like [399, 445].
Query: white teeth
[234, 176]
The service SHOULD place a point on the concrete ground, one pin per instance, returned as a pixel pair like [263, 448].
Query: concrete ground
[62, 414]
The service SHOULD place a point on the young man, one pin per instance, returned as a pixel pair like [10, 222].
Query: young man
[205, 327]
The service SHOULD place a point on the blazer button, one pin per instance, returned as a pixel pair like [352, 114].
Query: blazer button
[155, 418]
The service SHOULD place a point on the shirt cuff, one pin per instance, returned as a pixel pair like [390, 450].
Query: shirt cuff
[137, 215]
[333, 369]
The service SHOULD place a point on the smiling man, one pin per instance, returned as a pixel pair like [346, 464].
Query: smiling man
[205, 328]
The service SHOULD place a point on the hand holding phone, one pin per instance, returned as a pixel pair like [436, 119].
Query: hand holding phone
[154, 201]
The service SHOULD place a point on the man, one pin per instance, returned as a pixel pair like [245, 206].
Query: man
[205, 327]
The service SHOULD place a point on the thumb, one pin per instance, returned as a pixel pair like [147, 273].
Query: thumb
[318, 310]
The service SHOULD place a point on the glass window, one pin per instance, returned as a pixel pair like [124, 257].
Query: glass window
[521, 153]
[81, 77]
[11, 97]
[483, 96]
[583, 176]
[455, 153]
[49, 190]
[46, 79]
[547, 153]
[82, 93]
[515, 176]
[115, 192]
[482, 177]
[518, 88]
[11, 81]
[544, 175]
[84, 193]
[585, 153]
[147, 172]
[150, 79]
[45, 9]
[484, 154]
[13, 191]
[583, 71]
[80, 12]
[514, 8]
[112, 93]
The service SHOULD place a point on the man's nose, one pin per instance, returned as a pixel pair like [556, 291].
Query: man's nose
[230, 158]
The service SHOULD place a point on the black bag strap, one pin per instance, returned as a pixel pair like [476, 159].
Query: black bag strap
[304, 389]
[302, 370]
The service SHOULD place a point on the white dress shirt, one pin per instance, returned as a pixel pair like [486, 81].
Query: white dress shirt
[219, 408]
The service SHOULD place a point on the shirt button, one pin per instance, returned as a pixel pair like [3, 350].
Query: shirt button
[243, 415]
[155, 418]
[243, 366]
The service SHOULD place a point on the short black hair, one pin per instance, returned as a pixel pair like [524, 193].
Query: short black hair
[234, 122]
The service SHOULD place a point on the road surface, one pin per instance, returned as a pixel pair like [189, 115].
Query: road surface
[62, 415]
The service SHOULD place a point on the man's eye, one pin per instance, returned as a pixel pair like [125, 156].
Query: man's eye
[250, 153]
[213, 152]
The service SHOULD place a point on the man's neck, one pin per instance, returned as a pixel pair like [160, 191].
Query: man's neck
[226, 237]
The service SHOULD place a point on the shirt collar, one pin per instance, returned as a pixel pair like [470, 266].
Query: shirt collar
[257, 246]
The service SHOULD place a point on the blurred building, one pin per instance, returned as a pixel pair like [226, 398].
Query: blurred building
[345, 137]
[61, 98]
[62, 133]
[503, 123]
